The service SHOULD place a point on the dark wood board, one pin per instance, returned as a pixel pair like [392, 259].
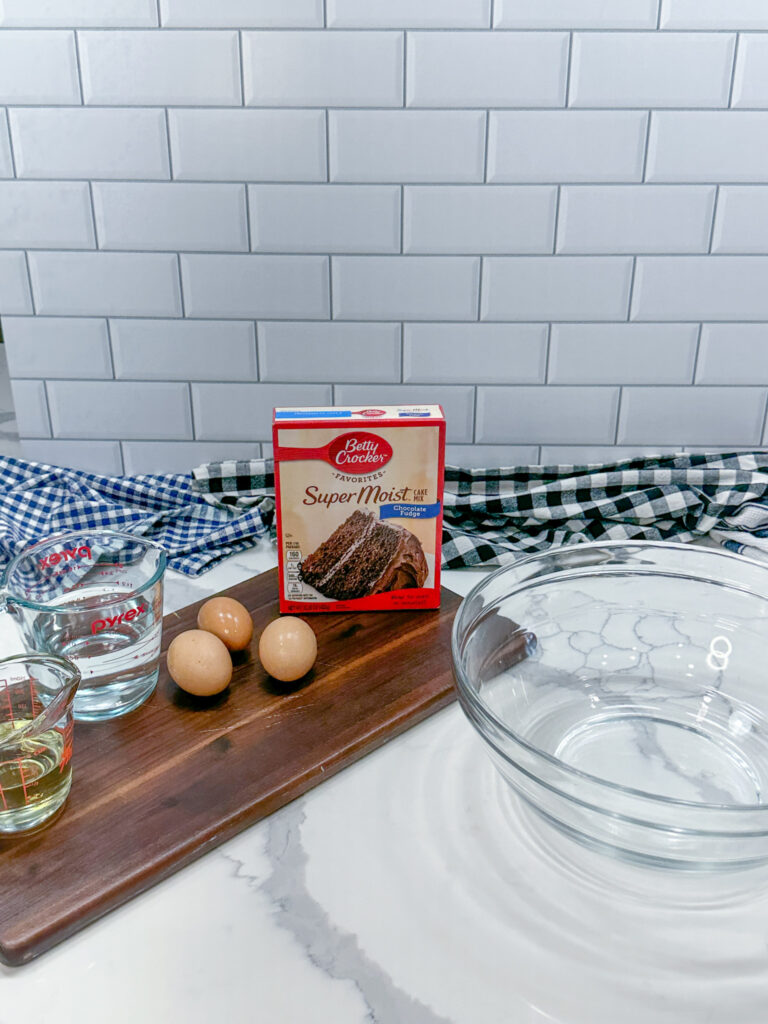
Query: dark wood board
[159, 787]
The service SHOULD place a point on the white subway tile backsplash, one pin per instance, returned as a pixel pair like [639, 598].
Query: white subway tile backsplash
[406, 145]
[182, 456]
[479, 219]
[38, 67]
[78, 13]
[687, 416]
[160, 68]
[329, 352]
[256, 286]
[700, 288]
[31, 405]
[242, 13]
[571, 14]
[542, 415]
[733, 354]
[325, 218]
[184, 350]
[580, 455]
[405, 287]
[92, 456]
[46, 215]
[15, 296]
[457, 402]
[562, 146]
[719, 146]
[479, 69]
[323, 69]
[107, 410]
[250, 145]
[481, 353]
[741, 223]
[635, 218]
[170, 215]
[243, 412]
[651, 69]
[714, 14]
[480, 456]
[408, 13]
[6, 165]
[750, 83]
[105, 284]
[80, 143]
[622, 353]
[555, 287]
[50, 346]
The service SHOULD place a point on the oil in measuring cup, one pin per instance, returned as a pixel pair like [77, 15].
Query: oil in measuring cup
[36, 733]
[35, 782]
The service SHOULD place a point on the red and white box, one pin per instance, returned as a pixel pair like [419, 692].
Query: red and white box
[359, 507]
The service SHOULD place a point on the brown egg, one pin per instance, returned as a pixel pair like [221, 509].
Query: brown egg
[199, 663]
[288, 648]
[228, 620]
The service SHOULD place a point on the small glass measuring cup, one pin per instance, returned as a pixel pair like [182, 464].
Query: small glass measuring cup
[36, 724]
[96, 599]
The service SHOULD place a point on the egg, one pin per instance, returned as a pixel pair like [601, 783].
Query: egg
[288, 648]
[199, 663]
[228, 620]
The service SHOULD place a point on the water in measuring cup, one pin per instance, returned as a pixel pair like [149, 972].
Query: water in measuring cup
[116, 649]
[35, 782]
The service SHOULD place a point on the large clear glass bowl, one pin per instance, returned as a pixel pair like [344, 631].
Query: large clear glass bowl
[621, 688]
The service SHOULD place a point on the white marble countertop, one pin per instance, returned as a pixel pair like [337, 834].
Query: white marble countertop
[409, 889]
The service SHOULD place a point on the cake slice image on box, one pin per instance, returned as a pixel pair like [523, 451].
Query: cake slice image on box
[365, 556]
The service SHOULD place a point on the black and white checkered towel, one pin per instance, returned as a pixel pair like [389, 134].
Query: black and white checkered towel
[491, 516]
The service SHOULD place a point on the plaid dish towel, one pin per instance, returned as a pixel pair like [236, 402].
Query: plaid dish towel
[491, 516]
[37, 501]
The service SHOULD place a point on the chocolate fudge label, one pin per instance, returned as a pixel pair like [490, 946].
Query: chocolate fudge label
[359, 507]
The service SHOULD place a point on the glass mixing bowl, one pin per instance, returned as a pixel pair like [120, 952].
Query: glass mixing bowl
[621, 688]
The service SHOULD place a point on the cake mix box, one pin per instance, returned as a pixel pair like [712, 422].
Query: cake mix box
[359, 507]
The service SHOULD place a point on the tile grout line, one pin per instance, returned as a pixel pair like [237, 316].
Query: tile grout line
[327, 146]
[765, 418]
[10, 143]
[191, 411]
[658, 14]
[558, 196]
[492, 14]
[29, 283]
[48, 409]
[405, 70]
[714, 218]
[647, 146]
[110, 347]
[480, 291]
[618, 416]
[696, 353]
[248, 238]
[168, 143]
[96, 241]
[402, 352]
[78, 64]
[631, 289]
[486, 145]
[402, 220]
[241, 67]
[159, 15]
[568, 66]
[330, 291]
[733, 70]
[547, 353]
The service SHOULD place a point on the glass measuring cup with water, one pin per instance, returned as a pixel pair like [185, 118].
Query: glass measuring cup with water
[36, 725]
[96, 599]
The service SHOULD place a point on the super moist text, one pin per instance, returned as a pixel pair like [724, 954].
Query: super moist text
[371, 494]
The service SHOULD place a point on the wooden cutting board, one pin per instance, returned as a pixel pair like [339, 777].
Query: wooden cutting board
[156, 789]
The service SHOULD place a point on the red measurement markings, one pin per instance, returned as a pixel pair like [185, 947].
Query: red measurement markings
[23, 781]
[10, 702]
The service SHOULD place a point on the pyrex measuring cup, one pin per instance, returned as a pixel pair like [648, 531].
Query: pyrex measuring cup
[95, 598]
[36, 694]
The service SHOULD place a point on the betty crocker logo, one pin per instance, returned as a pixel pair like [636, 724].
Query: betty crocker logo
[64, 555]
[110, 622]
[359, 452]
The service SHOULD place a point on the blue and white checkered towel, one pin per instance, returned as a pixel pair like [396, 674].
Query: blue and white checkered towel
[37, 501]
